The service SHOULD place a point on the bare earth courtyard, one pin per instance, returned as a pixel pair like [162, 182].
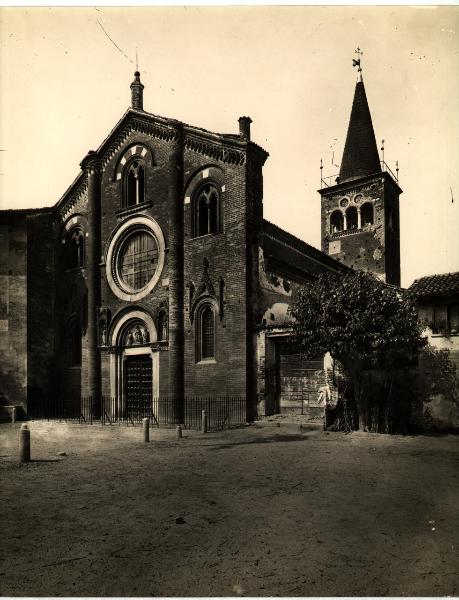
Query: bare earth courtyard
[254, 511]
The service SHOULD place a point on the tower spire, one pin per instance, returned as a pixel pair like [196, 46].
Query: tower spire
[360, 156]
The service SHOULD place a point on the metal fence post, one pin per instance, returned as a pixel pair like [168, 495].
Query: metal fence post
[203, 422]
[146, 429]
[24, 444]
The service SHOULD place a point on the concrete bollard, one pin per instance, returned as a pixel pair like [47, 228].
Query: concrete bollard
[146, 429]
[24, 444]
[178, 431]
[204, 422]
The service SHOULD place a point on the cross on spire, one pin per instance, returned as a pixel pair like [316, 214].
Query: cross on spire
[356, 62]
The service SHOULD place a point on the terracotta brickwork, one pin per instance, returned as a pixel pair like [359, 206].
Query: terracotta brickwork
[373, 247]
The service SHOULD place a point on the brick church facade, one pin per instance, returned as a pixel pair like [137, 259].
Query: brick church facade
[156, 274]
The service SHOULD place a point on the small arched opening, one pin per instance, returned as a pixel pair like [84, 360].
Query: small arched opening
[336, 221]
[351, 218]
[366, 213]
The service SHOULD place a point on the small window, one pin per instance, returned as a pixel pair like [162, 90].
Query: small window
[446, 319]
[440, 319]
[76, 249]
[351, 218]
[206, 208]
[135, 184]
[367, 214]
[206, 333]
[336, 221]
[162, 326]
[74, 345]
[453, 317]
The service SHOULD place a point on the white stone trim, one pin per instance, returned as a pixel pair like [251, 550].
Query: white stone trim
[153, 227]
[129, 316]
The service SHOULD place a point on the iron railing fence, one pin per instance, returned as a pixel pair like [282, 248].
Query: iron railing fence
[221, 411]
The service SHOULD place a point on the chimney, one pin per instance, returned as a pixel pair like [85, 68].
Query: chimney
[244, 127]
[137, 92]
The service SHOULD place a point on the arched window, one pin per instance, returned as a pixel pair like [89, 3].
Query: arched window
[135, 184]
[206, 333]
[76, 250]
[367, 214]
[336, 221]
[74, 344]
[206, 210]
[351, 218]
[162, 326]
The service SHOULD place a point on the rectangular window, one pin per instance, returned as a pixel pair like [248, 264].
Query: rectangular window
[453, 317]
[445, 318]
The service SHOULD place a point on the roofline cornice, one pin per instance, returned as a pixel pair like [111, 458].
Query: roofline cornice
[349, 185]
[226, 148]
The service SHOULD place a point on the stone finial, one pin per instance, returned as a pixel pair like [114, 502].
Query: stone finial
[244, 127]
[137, 92]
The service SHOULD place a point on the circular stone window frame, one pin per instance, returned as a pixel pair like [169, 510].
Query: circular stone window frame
[136, 224]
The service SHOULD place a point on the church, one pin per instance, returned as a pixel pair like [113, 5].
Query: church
[156, 275]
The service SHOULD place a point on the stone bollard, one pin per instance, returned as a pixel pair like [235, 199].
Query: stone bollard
[204, 422]
[146, 429]
[24, 444]
[178, 431]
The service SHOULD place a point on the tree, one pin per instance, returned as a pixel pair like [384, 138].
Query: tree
[363, 323]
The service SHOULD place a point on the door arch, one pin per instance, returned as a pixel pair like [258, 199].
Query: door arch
[134, 366]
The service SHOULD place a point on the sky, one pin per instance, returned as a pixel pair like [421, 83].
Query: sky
[65, 76]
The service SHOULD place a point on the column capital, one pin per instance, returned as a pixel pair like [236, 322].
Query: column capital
[91, 163]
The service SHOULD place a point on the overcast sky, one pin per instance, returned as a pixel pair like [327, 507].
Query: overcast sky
[64, 84]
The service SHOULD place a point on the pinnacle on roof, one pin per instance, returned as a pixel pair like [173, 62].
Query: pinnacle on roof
[360, 156]
[137, 92]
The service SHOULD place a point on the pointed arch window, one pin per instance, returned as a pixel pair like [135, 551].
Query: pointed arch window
[367, 214]
[76, 249]
[207, 210]
[205, 325]
[336, 221]
[134, 192]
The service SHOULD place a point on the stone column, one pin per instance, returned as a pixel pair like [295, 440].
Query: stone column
[359, 218]
[344, 221]
[176, 274]
[91, 164]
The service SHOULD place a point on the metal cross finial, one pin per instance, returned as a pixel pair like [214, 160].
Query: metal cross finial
[357, 62]
[136, 59]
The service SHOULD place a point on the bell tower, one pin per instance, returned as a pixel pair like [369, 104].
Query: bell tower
[360, 224]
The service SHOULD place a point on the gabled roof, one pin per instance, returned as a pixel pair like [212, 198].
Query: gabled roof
[360, 156]
[229, 148]
[290, 250]
[446, 284]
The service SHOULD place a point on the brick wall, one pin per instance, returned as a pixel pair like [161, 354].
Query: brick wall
[226, 253]
[40, 307]
[13, 309]
[374, 248]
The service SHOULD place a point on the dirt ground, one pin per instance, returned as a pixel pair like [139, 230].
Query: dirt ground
[269, 511]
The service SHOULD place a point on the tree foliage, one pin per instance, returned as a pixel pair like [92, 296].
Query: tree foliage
[362, 322]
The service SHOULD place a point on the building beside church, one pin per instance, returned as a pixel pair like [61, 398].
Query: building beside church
[156, 274]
